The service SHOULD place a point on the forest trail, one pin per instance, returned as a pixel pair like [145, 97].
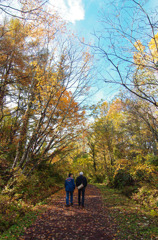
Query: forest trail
[65, 223]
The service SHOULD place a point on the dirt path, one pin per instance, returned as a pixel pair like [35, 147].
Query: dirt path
[61, 223]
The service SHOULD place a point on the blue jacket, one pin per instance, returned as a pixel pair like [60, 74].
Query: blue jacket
[69, 184]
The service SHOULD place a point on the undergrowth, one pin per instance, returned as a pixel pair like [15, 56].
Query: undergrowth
[19, 201]
[133, 220]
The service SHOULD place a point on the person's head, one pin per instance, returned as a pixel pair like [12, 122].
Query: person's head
[81, 173]
[70, 175]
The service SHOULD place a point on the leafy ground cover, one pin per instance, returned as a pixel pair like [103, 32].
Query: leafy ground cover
[20, 226]
[21, 198]
[74, 222]
[18, 214]
[107, 215]
[133, 221]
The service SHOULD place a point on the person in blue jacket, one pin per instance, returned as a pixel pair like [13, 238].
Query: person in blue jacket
[69, 188]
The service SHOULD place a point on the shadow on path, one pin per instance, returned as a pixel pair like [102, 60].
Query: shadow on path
[77, 223]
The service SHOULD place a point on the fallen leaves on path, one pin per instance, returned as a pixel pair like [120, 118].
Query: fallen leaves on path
[65, 223]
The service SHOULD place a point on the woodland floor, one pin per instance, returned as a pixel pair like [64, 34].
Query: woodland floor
[59, 222]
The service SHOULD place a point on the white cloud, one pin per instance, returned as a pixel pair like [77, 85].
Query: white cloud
[70, 10]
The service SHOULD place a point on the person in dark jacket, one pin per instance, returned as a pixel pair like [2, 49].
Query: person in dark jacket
[81, 180]
[69, 188]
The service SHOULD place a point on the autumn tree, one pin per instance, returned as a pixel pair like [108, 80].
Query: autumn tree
[123, 136]
[44, 79]
[21, 9]
[144, 115]
[102, 139]
[127, 46]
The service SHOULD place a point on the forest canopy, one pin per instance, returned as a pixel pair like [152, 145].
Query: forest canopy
[45, 76]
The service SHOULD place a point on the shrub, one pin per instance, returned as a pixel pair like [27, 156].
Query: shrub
[153, 160]
[129, 190]
[145, 173]
[123, 178]
[10, 211]
[147, 196]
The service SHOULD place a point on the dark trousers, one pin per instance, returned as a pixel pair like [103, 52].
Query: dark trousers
[81, 191]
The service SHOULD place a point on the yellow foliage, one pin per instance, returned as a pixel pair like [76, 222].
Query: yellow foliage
[154, 213]
[145, 59]
[153, 45]
[121, 164]
[144, 167]
[139, 46]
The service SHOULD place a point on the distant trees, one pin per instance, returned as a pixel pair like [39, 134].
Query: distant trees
[125, 138]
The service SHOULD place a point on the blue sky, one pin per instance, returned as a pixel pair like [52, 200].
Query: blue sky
[83, 16]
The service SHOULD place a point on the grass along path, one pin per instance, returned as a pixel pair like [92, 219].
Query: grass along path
[107, 215]
[132, 220]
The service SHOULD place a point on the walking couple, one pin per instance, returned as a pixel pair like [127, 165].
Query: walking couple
[81, 183]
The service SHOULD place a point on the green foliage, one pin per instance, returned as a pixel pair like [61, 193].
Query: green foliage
[122, 178]
[10, 211]
[82, 162]
[41, 184]
[144, 172]
[19, 226]
[153, 160]
[15, 183]
[129, 190]
[48, 175]
[97, 177]
[21, 194]
[132, 219]
[5, 173]
[8, 127]
[147, 196]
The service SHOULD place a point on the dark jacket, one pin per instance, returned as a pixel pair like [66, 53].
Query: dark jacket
[81, 179]
[69, 184]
